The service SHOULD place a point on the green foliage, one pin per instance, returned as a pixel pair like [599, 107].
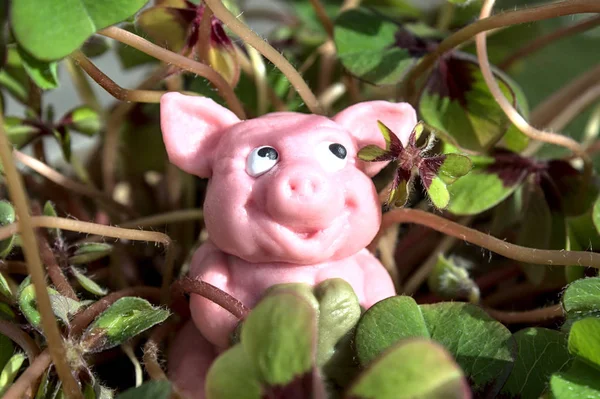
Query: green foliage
[7, 216]
[123, 320]
[148, 390]
[53, 30]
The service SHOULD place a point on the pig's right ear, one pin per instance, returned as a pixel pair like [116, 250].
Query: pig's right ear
[191, 128]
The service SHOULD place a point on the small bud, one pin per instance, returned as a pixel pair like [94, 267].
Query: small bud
[450, 279]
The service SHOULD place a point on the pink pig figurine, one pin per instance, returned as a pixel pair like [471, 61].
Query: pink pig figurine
[288, 201]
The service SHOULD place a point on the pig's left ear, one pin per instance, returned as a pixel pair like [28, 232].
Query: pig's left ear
[361, 121]
[191, 128]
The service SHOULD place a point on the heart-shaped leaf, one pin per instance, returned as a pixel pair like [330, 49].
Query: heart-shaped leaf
[415, 369]
[374, 48]
[7, 216]
[159, 389]
[491, 181]
[124, 319]
[232, 375]
[88, 284]
[52, 30]
[89, 252]
[10, 371]
[584, 340]
[580, 381]
[481, 346]
[542, 352]
[279, 337]
[457, 101]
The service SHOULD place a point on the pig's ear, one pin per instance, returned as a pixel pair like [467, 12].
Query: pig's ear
[191, 128]
[361, 121]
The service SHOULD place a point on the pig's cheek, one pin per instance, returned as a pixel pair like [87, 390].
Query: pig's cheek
[363, 209]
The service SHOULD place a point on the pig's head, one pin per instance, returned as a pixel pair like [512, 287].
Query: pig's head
[285, 187]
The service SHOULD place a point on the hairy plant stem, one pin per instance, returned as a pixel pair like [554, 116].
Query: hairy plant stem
[269, 52]
[180, 61]
[531, 14]
[16, 334]
[54, 271]
[108, 231]
[542, 41]
[151, 349]
[512, 113]
[118, 92]
[29, 377]
[212, 293]
[528, 316]
[85, 190]
[35, 268]
[506, 249]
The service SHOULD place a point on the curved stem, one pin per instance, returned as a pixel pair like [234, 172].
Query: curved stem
[269, 52]
[22, 339]
[101, 230]
[527, 317]
[34, 265]
[506, 249]
[542, 41]
[511, 112]
[118, 92]
[323, 17]
[546, 11]
[212, 293]
[180, 61]
[183, 215]
[82, 85]
[70, 184]
[29, 376]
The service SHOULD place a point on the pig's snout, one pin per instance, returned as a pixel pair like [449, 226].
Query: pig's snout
[301, 197]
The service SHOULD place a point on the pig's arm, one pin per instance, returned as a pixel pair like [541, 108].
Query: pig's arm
[210, 264]
[377, 282]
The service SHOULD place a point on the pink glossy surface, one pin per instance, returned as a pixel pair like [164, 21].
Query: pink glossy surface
[306, 219]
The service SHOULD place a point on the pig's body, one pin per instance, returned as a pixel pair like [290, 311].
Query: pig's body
[288, 201]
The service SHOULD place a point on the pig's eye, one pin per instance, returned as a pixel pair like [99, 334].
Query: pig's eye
[261, 160]
[332, 156]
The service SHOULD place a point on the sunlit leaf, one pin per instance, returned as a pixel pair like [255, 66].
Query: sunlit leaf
[373, 48]
[35, 24]
[279, 337]
[457, 101]
[10, 371]
[5, 289]
[372, 153]
[64, 307]
[124, 319]
[584, 340]
[438, 192]
[412, 369]
[580, 381]
[582, 298]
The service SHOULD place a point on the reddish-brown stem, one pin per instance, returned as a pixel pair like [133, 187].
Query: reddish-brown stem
[542, 41]
[118, 92]
[506, 249]
[54, 271]
[212, 293]
[323, 17]
[22, 339]
[180, 61]
[29, 377]
[203, 44]
[528, 316]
